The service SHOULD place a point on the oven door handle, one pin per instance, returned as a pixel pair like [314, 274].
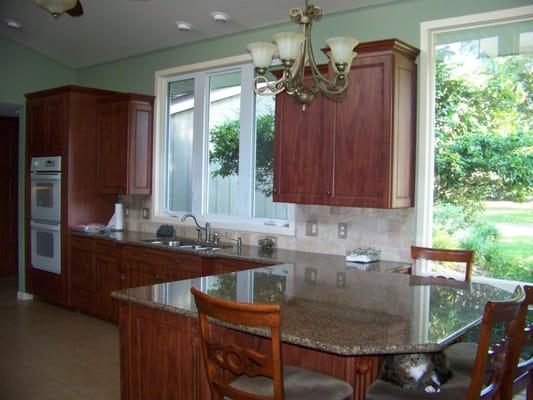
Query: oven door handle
[50, 176]
[45, 227]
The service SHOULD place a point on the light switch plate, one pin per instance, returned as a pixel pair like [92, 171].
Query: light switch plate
[342, 230]
[311, 228]
[146, 213]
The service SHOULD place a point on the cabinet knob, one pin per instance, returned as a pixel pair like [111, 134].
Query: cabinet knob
[274, 190]
[123, 276]
[328, 192]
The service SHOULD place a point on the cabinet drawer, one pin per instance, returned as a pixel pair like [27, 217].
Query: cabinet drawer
[81, 243]
[106, 250]
[224, 265]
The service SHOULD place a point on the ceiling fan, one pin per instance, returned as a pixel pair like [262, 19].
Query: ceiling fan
[58, 7]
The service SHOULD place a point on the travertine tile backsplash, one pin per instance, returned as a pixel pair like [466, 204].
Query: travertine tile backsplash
[391, 231]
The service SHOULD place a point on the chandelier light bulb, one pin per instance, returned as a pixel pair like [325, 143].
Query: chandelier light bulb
[262, 53]
[57, 7]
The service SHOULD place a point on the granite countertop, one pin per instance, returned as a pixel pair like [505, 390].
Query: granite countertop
[251, 253]
[329, 307]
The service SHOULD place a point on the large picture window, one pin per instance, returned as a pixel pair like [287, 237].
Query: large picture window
[216, 144]
[476, 185]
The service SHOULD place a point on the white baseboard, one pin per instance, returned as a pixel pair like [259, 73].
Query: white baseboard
[24, 296]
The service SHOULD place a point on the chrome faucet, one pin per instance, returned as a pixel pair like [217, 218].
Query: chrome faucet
[206, 228]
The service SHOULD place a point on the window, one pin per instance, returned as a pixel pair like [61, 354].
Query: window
[215, 143]
[474, 188]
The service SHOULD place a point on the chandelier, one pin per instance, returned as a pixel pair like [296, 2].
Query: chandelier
[296, 53]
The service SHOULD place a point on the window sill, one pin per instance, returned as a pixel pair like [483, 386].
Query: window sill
[235, 224]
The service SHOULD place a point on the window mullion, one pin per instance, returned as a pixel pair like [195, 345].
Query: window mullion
[198, 170]
[246, 143]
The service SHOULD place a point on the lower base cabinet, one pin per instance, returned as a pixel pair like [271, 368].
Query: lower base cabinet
[96, 272]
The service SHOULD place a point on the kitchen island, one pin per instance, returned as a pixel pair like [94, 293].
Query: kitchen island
[335, 319]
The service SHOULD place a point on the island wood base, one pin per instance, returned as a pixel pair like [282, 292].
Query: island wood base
[161, 357]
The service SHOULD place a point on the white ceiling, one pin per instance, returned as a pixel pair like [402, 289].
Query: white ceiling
[113, 29]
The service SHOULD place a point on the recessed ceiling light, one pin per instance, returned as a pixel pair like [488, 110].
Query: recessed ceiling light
[13, 24]
[183, 26]
[220, 17]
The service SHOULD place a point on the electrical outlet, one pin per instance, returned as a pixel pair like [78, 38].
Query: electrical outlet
[342, 230]
[311, 228]
[310, 275]
[341, 279]
[146, 213]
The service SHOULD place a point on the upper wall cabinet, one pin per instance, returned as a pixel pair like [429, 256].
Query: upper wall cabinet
[360, 151]
[47, 118]
[124, 163]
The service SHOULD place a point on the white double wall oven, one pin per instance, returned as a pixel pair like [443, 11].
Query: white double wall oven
[45, 224]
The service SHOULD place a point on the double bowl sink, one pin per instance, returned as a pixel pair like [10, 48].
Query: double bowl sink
[185, 244]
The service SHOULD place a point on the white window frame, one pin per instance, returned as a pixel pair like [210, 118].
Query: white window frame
[244, 221]
[426, 95]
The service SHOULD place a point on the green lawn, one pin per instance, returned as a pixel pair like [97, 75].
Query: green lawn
[514, 240]
[517, 246]
[508, 215]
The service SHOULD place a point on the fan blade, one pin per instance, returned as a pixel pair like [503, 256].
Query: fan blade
[76, 11]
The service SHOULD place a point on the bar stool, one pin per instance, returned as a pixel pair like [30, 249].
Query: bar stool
[478, 384]
[259, 376]
[428, 253]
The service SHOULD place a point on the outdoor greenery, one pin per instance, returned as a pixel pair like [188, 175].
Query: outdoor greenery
[225, 150]
[483, 132]
[483, 151]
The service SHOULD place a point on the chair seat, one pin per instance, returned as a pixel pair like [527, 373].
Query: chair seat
[462, 357]
[299, 383]
[456, 388]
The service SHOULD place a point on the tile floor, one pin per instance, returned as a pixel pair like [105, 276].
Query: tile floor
[48, 353]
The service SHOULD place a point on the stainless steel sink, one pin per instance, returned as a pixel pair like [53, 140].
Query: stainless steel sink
[185, 244]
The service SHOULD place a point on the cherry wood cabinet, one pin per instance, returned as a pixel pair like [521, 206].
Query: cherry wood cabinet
[150, 266]
[63, 121]
[360, 151]
[82, 274]
[161, 357]
[47, 124]
[124, 164]
[108, 278]
[221, 265]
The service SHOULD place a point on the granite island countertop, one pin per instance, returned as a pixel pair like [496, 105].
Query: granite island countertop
[343, 310]
[251, 253]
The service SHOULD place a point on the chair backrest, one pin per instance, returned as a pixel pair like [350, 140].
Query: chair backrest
[428, 253]
[485, 384]
[517, 379]
[234, 358]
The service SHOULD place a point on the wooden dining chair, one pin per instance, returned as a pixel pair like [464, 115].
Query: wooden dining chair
[478, 384]
[431, 254]
[259, 376]
[462, 356]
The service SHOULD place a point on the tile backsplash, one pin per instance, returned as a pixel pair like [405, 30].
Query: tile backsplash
[391, 231]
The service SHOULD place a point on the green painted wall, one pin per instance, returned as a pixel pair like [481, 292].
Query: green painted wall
[401, 20]
[25, 71]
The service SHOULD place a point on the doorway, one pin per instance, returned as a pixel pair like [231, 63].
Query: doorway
[9, 132]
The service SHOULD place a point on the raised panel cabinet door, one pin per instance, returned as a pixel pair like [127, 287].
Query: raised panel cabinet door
[362, 138]
[57, 116]
[108, 279]
[140, 148]
[82, 275]
[112, 147]
[302, 154]
[36, 117]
